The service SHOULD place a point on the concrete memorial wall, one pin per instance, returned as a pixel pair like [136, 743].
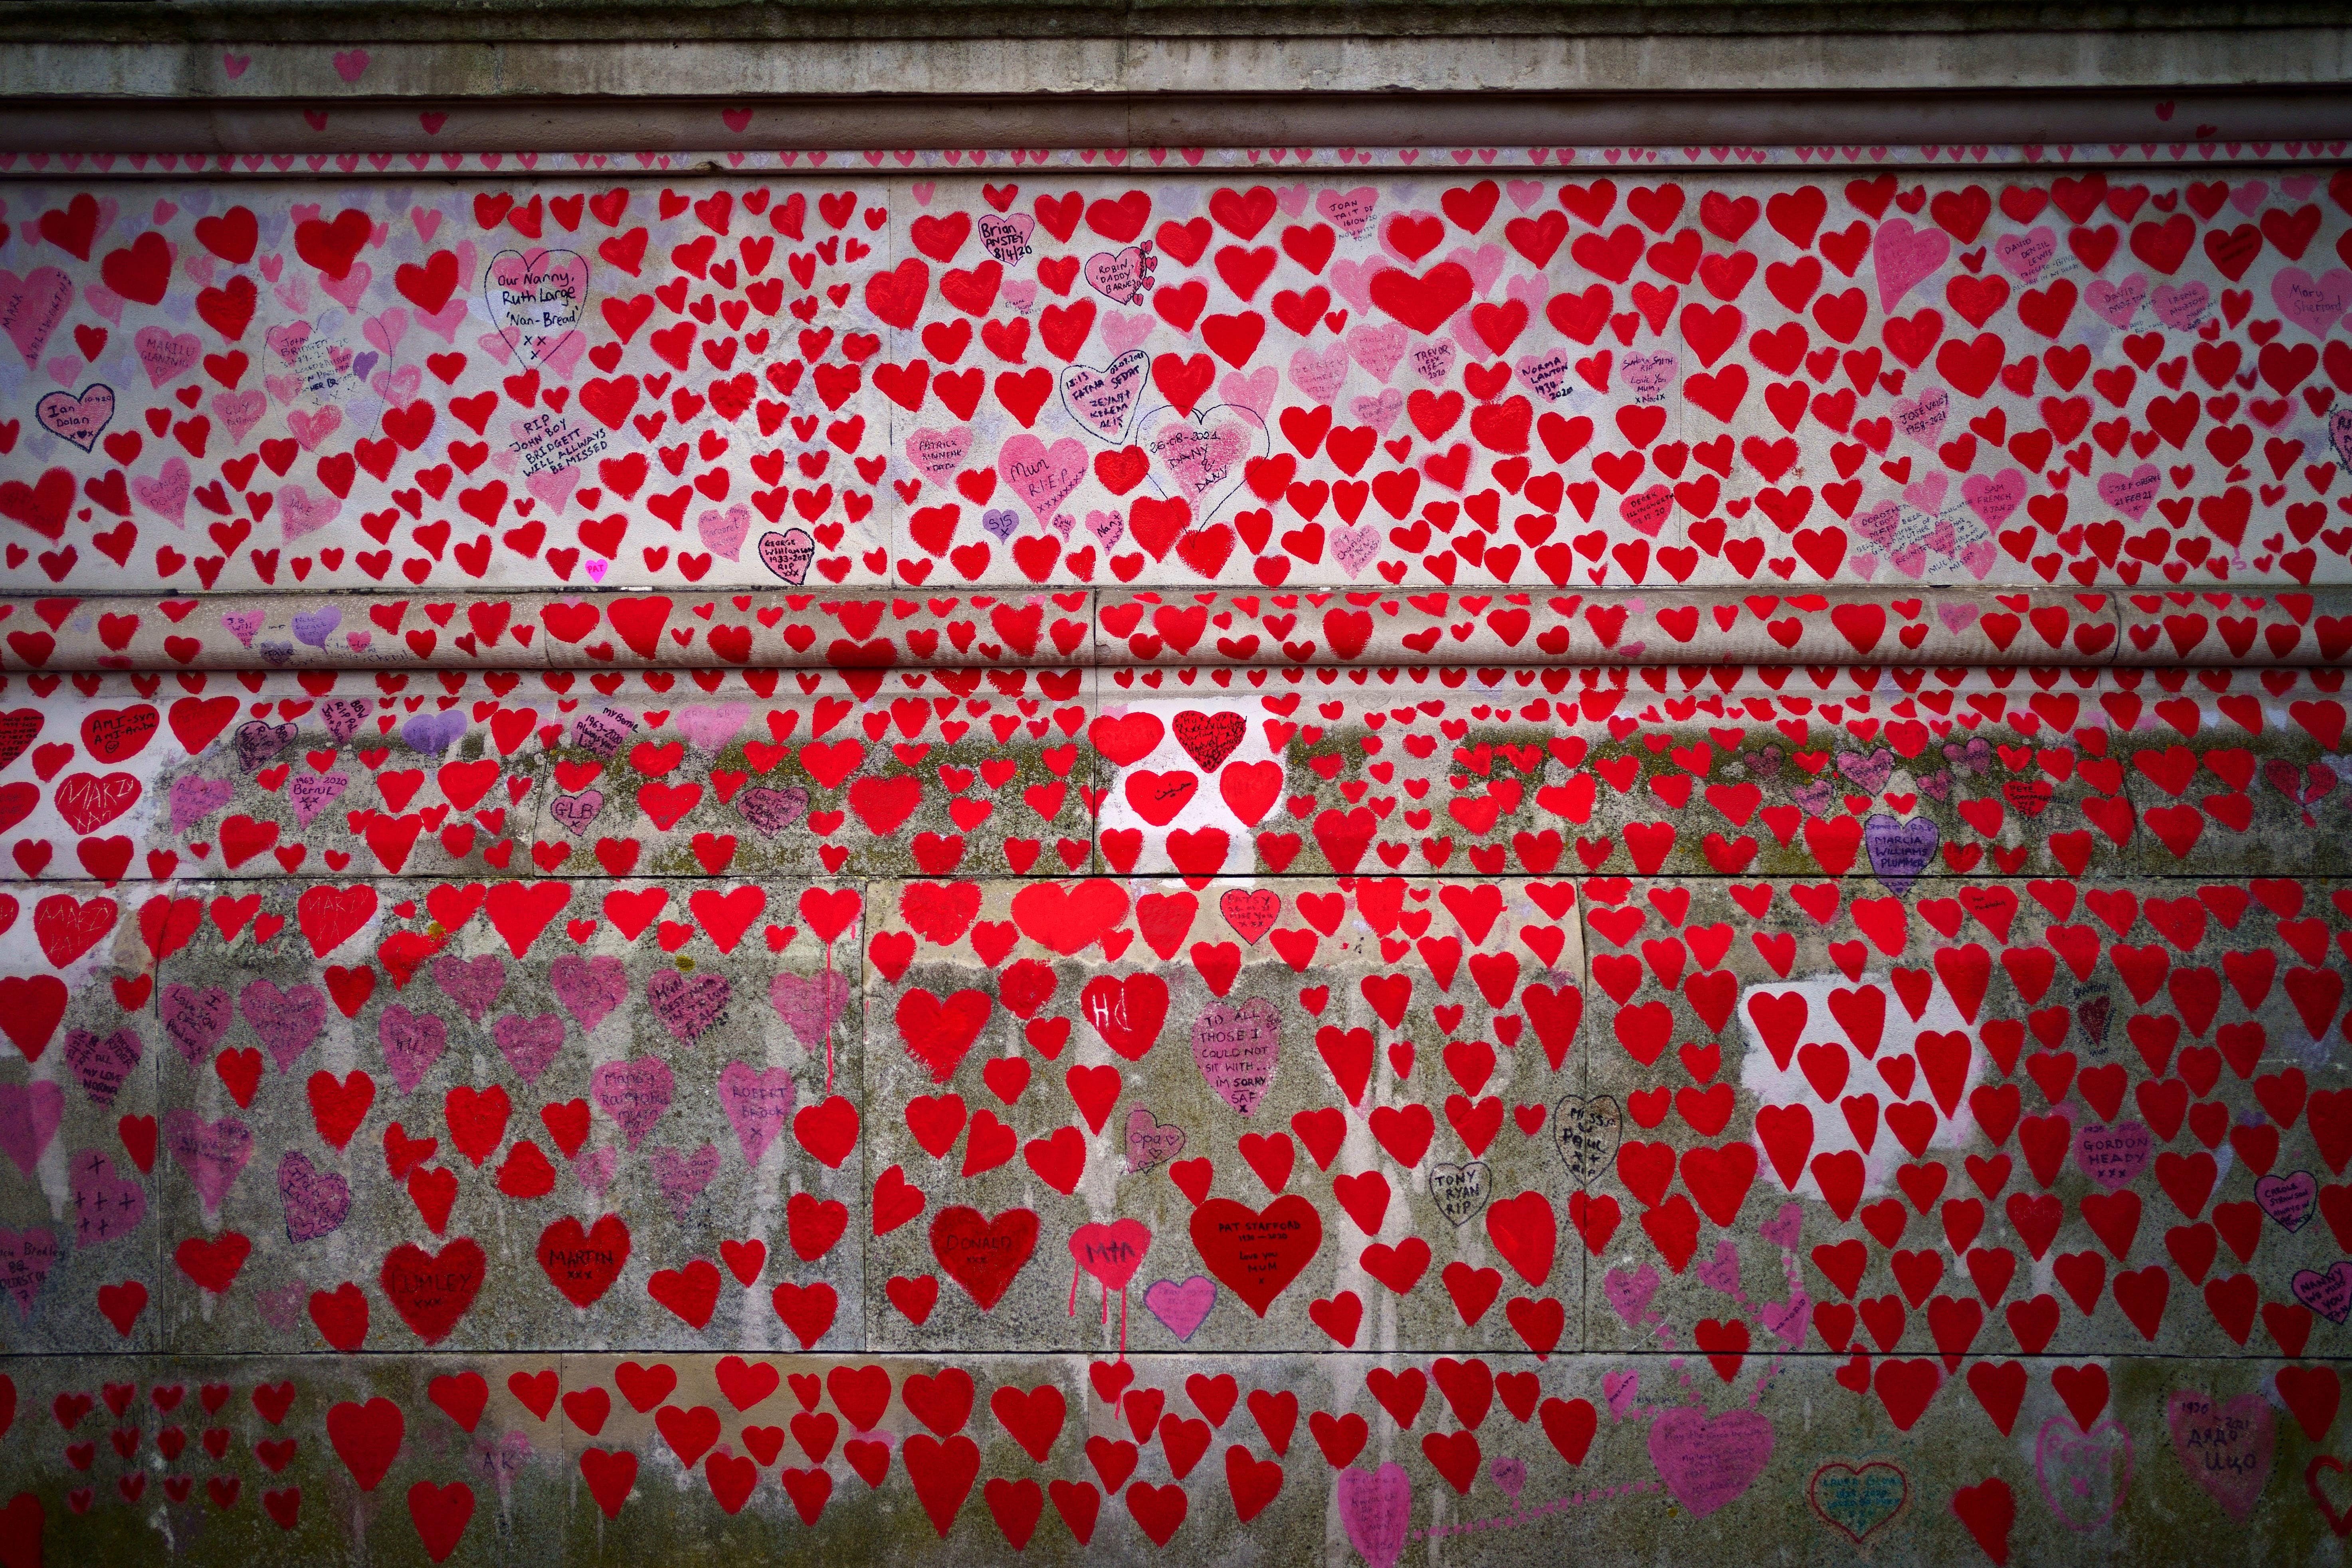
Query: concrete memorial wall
[1406, 855]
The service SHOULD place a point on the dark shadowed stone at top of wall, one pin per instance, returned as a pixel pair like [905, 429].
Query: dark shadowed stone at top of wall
[605, 20]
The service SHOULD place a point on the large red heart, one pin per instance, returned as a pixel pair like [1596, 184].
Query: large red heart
[431, 1292]
[938, 1031]
[583, 1263]
[1069, 919]
[1258, 1252]
[1127, 1013]
[983, 1255]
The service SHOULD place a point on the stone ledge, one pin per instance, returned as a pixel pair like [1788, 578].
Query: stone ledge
[1915, 129]
[1100, 629]
[598, 21]
[1052, 66]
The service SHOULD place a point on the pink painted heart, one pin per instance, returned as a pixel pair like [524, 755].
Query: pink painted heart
[281, 1305]
[1993, 498]
[385, 331]
[1630, 1294]
[1181, 1305]
[1320, 374]
[25, 1259]
[589, 988]
[2290, 1200]
[810, 1005]
[788, 554]
[1254, 391]
[1721, 1271]
[2225, 1446]
[2113, 1156]
[286, 339]
[938, 453]
[723, 533]
[2083, 1475]
[1922, 418]
[1005, 236]
[352, 288]
[301, 513]
[553, 488]
[316, 1203]
[575, 811]
[1122, 334]
[771, 810]
[1378, 348]
[757, 1103]
[31, 307]
[1204, 453]
[1545, 374]
[195, 1020]
[105, 1204]
[1380, 412]
[2327, 1293]
[1350, 210]
[2117, 303]
[1354, 546]
[2132, 494]
[412, 1043]
[528, 1044]
[309, 428]
[473, 984]
[1786, 1227]
[683, 1177]
[1647, 376]
[1879, 523]
[313, 793]
[212, 1153]
[256, 740]
[1102, 400]
[1904, 258]
[1927, 492]
[1484, 263]
[1236, 1049]
[2025, 255]
[596, 1167]
[102, 1063]
[167, 494]
[1119, 276]
[634, 1093]
[166, 355]
[1042, 476]
[687, 1007]
[238, 412]
[1708, 1463]
[2182, 307]
[1375, 1509]
[711, 725]
[287, 1021]
[1787, 1320]
[1150, 1141]
[2311, 303]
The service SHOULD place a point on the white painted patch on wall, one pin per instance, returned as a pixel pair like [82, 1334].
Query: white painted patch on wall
[1856, 1059]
